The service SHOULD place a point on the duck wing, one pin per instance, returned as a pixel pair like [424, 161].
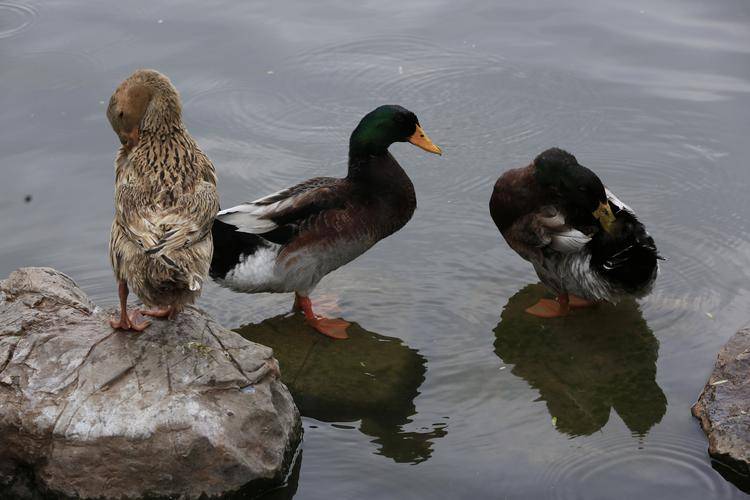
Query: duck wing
[545, 230]
[559, 235]
[283, 215]
[161, 232]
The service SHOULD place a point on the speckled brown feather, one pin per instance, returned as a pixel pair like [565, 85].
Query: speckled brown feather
[165, 198]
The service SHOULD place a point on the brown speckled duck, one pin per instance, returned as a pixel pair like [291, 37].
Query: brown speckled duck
[165, 201]
[289, 240]
[585, 244]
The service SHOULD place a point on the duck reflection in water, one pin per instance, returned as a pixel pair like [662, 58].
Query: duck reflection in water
[585, 364]
[370, 378]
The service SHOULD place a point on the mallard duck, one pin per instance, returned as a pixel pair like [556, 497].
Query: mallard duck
[585, 244]
[165, 201]
[289, 240]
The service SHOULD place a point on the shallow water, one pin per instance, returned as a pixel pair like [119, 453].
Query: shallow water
[448, 391]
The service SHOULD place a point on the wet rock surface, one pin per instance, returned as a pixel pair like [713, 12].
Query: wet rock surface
[723, 409]
[185, 409]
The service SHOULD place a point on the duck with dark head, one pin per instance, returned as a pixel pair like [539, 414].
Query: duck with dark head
[584, 243]
[289, 240]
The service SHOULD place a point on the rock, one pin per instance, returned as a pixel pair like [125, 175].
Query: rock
[185, 409]
[723, 407]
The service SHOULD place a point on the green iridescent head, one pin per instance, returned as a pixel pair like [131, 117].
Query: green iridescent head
[385, 125]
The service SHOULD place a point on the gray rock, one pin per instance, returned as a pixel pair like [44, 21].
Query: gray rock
[187, 408]
[724, 405]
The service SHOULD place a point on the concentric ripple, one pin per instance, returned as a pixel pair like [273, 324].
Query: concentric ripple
[15, 18]
[667, 462]
[317, 96]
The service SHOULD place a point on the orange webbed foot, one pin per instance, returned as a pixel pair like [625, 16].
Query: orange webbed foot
[133, 322]
[164, 312]
[122, 323]
[330, 327]
[334, 328]
[548, 308]
[577, 302]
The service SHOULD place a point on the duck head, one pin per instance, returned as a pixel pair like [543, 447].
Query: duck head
[577, 187]
[146, 100]
[385, 125]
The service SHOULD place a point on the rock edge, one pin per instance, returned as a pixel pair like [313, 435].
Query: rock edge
[723, 406]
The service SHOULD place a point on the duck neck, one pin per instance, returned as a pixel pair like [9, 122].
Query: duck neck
[163, 115]
[360, 164]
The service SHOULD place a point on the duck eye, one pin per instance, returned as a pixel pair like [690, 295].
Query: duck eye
[122, 113]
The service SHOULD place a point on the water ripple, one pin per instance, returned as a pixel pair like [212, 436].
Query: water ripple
[656, 460]
[317, 96]
[15, 18]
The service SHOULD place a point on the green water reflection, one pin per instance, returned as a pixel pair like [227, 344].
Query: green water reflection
[369, 378]
[586, 364]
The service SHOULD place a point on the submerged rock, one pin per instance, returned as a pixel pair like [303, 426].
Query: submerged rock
[187, 408]
[723, 409]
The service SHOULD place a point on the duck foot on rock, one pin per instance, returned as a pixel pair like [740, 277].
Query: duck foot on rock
[162, 312]
[133, 321]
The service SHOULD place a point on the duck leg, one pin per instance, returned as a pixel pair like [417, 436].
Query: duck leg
[331, 327]
[133, 322]
[551, 308]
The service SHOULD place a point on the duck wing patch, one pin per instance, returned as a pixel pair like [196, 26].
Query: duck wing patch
[280, 216]
[562, 237]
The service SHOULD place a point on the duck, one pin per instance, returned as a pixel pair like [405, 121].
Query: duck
[289, 240]
[585, 244]
[160, 243]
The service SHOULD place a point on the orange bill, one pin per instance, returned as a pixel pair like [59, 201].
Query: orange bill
[420, 139]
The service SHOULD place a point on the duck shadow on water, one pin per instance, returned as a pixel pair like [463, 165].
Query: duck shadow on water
[586, 364]
[369, 378]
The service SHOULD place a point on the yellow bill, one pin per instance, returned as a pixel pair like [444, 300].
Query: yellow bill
[605, 216]
[420, 139]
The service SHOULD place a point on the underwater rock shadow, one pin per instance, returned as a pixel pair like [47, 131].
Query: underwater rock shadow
[368, 378]
[586, 364]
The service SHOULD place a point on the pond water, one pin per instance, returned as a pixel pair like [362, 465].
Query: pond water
[446, 390]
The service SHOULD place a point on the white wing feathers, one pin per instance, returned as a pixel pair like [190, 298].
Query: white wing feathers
[570, 241]
[255, 217]
[563, 239]
[614, 200]
[248, 218]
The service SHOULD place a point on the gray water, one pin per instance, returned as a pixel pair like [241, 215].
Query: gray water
[448, 390]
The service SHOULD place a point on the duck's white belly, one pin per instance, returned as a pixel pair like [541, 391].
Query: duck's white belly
[572, 273]
[271, 270]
